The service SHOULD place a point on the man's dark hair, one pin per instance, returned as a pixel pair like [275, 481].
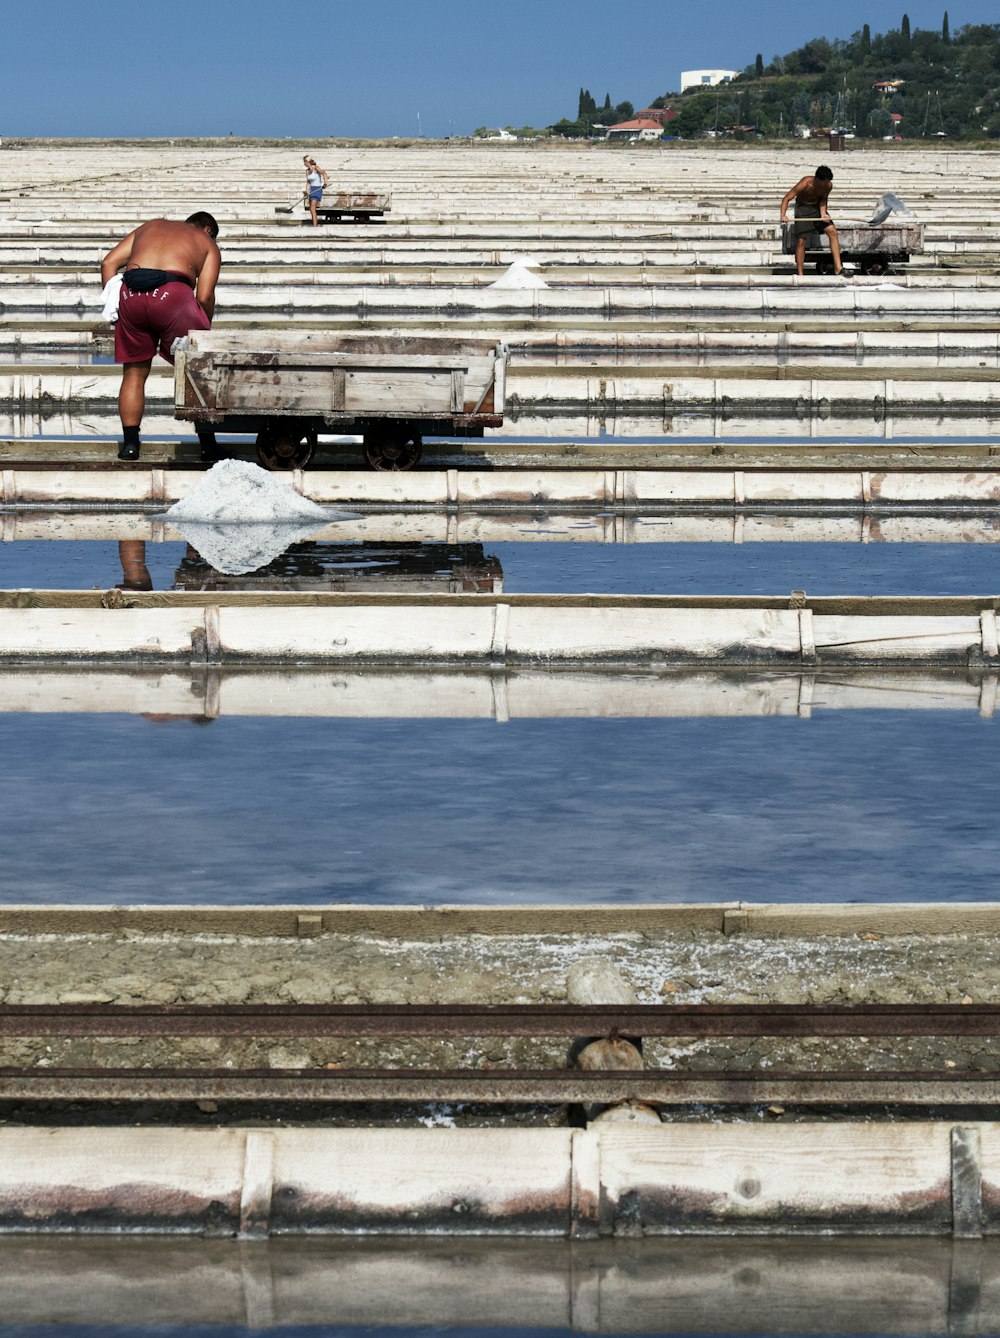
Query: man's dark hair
[203, 220]
[821, 174]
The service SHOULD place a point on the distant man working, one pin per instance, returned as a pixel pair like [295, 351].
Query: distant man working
[810, 196]
[168, 288]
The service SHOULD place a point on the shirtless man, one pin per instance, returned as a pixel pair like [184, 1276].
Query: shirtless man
[810, 196]
[168, 288]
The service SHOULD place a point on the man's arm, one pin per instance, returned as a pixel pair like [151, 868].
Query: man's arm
[118, 257]
[208, 277]
[799, 185]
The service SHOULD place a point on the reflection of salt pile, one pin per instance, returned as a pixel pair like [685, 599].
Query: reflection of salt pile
[240, 517]
[518, 274]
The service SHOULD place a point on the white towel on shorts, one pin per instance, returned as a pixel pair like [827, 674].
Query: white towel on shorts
[109, 298]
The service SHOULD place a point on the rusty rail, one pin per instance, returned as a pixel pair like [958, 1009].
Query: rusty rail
[443, 1020]
[503, 1086]
[334, 1083]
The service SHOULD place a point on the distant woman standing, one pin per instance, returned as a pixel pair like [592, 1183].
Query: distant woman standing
[316, 181]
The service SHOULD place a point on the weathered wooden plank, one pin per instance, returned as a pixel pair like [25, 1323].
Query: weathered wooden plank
[641, 1179]
[845, 1177]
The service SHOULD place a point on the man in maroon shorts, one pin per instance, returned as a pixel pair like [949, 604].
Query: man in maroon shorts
[168, 288]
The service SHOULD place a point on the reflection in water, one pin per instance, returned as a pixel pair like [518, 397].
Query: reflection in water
[659, 555]
[499, 1287]
[408, 567]
[404, 568]
[135, 573]
[500, 695]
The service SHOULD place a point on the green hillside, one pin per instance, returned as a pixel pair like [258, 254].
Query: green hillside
[946, 84]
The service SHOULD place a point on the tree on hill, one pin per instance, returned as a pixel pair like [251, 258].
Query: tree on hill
[588, 115]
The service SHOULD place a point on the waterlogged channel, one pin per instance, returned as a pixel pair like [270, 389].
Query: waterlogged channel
[514, 787]
[497, 1288]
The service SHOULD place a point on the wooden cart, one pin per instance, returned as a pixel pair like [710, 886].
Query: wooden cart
[355, 206]
[872, 247]
[287, 387]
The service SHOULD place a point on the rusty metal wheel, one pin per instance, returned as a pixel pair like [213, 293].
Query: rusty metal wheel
[393, 448]
[286, 445]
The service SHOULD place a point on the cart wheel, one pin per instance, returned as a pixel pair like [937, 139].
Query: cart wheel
[393, 448]
[824, 266]
[876, 267]
[285, 445]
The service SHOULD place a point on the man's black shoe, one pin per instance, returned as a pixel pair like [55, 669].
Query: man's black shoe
[128, 450]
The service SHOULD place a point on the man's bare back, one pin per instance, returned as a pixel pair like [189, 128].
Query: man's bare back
[164, 243]
[811, 191]
[160, 259]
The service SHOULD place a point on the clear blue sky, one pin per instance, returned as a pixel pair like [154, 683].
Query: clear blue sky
[373, 67]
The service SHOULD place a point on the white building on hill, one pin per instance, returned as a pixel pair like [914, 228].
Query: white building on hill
[705, 78]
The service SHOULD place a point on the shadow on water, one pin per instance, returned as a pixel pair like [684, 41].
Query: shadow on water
[498, 1287]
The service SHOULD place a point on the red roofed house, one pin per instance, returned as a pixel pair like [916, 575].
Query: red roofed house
[640, 128]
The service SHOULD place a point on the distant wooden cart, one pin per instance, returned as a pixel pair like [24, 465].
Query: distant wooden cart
[354, 207]
[288, 387]
[872, 247]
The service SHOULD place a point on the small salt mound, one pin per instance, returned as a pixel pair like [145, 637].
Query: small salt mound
[236, 490]
[240, 517]
[517, 275]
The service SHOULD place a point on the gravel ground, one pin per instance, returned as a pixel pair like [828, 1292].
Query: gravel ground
[687, 967]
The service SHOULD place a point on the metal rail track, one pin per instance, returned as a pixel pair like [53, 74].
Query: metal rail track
[504, 1086]
[448, 1020]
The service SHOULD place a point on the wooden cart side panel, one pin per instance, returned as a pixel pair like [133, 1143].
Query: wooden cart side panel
[366, 391]
[369, 392]
[356, 200]
[332, 343]
[279, 382]
[496, 398]
[307, 358]
[195, 381]
[876, 239]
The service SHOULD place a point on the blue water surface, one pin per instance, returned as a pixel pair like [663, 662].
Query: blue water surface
[596, 568]
[850, 805]
[846, 806]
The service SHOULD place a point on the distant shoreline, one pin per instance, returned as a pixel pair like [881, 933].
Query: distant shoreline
[544, 145]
